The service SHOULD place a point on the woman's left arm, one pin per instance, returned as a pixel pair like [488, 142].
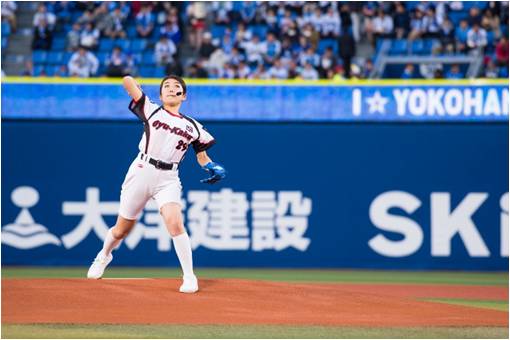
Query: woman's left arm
[202, 158]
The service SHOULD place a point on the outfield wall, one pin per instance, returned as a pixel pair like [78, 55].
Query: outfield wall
[383, 195]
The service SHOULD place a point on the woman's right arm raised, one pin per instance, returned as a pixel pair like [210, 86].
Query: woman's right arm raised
[132, 88]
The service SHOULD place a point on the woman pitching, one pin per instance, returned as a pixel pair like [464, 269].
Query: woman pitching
[154, 172]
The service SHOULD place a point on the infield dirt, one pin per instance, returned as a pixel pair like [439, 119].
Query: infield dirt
[235, 301]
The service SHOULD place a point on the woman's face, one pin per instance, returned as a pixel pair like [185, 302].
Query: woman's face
[172, 92]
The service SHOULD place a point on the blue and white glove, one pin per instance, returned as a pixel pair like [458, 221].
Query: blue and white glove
[216, 171]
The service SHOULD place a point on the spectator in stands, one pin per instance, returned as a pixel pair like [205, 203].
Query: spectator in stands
[228, 71]
[382, 25]
[408, 72]
[309, 73]
[248, 11]
[145, 21]
[271, 20]
[82, 63]
[430, 24]
[221, 12]
[242, 34]
[430, 70]
[461, 33]
[260, 73]
[254, 50]
[174, 68]
[401, 21]
[164, 51]
[227, 43]
[474, 16]
[63, 10]
[101, 16]
[417, 28]
[118, 64]
[28, 70]
[346, 17]
[73, 38]
[86, 18]
[272, 48]
[309, 56]
[243, 71]
[327, 62]
[330, 24]
[291, 32]
[367, 69]
[311, 35]
[294, 70]
[42, 14]
[207, 47]
[171, 30]
[113, 26]
[316, 20]
[42, 36]
[476, 38]
[502, 52]
[216, 61]
[347, 48]
[197, 70]
[491, 23]
[454, 72]
[491, 71]
[89, 37]
[235, 56]
[197, 13]
[9, 13]
[278, 71]
[447, 36]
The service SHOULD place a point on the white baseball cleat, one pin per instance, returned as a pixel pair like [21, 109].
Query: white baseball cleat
[189, 284]
[97, 268]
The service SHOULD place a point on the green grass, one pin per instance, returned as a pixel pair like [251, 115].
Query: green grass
[287, 275]
[489, 304]
[245, 331]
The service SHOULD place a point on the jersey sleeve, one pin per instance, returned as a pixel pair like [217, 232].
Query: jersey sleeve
[143, 107]
[204, 141]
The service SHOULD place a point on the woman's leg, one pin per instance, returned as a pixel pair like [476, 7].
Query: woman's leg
[116, 234]
[172, 216]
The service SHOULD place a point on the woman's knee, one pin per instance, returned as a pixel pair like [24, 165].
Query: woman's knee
[174, 226]
[123, 227]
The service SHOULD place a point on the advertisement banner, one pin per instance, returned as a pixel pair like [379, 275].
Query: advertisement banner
[362, 101]
[374, 195]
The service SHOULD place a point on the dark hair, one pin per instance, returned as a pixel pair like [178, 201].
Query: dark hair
[179, 79]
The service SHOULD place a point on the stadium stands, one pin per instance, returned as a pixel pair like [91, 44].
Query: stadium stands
[431, 30]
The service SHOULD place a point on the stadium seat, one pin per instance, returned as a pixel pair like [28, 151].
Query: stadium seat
[55, 58]
[6, 29]
[123, 44]
[148, 58]
[418, 47]
[218, 31]
[58, 44]
[67, 57]
[260, 30]
[38, 70]
[102, 57]
[398, 47]
[138, 45]
[159, 72]
[4, 42]
[131, 32]
[147, 71]
[105, 44]
[39, 57]
[325, 43]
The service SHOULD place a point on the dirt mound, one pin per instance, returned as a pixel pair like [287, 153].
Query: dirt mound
[232, 301]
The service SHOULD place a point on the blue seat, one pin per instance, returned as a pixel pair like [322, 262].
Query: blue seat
[102, 57]
[398, 47]
[138, 45]
[105, 44]
[159, 72]
[67, 57]
[39, 57]
[58, 44]
[38, 69]
[148, 58]
[123, 44]
[260, 30]
[218, 31]
[51, 69]
[4, 42]
[55, 58]
[418, 47]
[6, 29]
[325, 43]
[131, 32]
[137, 58]
[147, 71]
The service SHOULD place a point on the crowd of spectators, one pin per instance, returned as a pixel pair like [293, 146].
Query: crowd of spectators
[289, 45]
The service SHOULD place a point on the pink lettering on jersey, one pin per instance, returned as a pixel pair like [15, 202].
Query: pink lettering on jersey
[175, 130]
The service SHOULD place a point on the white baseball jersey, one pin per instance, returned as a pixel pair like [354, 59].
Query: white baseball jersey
[167, 135]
